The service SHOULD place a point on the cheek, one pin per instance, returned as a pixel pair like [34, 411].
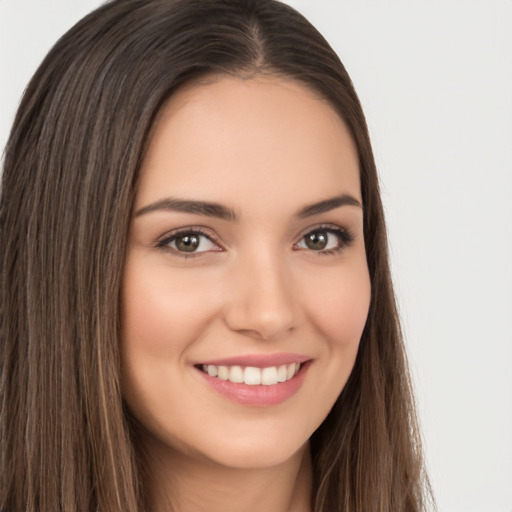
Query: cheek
[160, 313]
[339, 307]
[160, 321]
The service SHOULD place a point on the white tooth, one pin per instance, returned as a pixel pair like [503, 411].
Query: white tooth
[236, 374]
[281, 373]
[212, 370]
[297, 367]
[290, 371]
[223, 372]
[205, 368]
[252, 376]
[269, 376]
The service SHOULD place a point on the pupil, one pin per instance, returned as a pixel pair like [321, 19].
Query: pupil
[316, 241]
[187, 243]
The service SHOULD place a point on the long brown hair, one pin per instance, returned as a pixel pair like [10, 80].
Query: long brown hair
[70, 173]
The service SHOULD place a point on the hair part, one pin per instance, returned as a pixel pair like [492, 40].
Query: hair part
[70, 174]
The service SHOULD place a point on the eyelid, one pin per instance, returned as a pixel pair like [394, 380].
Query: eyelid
[345, 236]
[164, 241]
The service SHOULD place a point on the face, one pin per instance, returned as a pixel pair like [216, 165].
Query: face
[246, 287]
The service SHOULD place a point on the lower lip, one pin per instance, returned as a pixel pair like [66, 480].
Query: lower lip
[260, 395]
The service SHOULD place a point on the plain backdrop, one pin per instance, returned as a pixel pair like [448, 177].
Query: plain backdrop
[435, 80]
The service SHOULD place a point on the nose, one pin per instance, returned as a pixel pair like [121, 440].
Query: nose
[261, 302]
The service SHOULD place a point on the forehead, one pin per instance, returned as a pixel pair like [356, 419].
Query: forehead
[240, 141]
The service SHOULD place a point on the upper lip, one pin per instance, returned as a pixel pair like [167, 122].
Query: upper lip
[258, 360]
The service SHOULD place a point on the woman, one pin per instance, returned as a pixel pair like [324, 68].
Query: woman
[196, 306]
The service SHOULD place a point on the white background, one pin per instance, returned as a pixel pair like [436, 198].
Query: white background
[435, 80]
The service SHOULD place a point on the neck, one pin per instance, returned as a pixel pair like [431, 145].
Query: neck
[180, 483]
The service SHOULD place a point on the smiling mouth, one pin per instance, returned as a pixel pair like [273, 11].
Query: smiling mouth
[251, 375]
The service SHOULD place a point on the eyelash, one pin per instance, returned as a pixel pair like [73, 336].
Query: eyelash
[164, 244]
[344, 236]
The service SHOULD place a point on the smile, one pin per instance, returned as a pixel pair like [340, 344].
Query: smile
[256, 380]
[251, 375]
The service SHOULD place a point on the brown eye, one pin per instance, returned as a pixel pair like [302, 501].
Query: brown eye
[317, 240]
[325, 240]
[187, 243]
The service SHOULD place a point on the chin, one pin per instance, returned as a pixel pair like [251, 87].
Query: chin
[255, 454]
[244, 447]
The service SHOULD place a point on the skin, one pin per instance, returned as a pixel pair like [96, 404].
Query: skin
[265, 148]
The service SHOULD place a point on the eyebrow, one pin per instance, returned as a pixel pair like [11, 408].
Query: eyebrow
[189, 206]
[328, 205]
[210, 209]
